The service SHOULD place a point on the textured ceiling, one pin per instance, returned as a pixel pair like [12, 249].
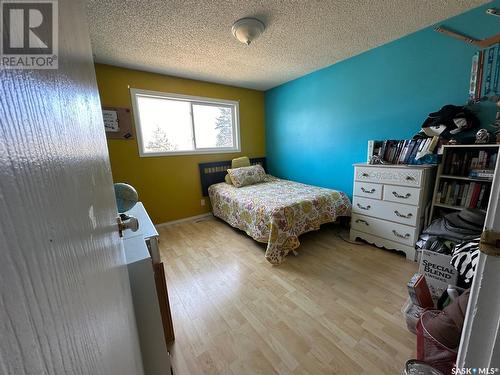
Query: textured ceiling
[192, 38]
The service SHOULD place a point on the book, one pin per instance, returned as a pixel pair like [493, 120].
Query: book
[474, 163]
[423, 148]
[455, 194]
[370, 149]
[439, 193]
[419, 292]
[458, 201]
[381, 151]
[463, 169]
[481, 159]
[453, 163]
[464, 195]
[493, 161]
[389, 150]
[415, 150]
[475, 196]
[481, 197]
[451, 187]
[397, 154]
[443, 192]
[404, 151]
[482, 173]
[469, 194]
[433, 143]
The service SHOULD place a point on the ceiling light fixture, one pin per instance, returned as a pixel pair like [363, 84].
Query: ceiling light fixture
[246, 30]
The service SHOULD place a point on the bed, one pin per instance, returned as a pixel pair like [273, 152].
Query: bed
[276, 211]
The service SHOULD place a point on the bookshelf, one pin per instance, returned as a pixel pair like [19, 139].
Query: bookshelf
[464, 178]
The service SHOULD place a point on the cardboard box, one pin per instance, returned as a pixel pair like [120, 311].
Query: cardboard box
[438, 272]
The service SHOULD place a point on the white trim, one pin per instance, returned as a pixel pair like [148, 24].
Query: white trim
[200, 152]
[480, 342]
[235, 105]
[183, 220]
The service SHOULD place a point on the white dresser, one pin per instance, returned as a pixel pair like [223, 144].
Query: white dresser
[389, 204]
[149, 293]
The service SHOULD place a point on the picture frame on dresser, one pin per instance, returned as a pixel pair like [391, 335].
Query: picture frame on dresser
[390, 204]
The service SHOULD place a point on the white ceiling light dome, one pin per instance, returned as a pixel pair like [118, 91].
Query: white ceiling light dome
[247, 29]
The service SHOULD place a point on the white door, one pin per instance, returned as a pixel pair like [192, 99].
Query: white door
[480, 344]
[65, 304]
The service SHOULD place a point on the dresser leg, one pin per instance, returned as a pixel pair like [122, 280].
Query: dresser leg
[410, 255]
[352, 236]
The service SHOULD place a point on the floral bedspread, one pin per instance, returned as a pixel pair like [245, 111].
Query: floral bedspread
[277, 211]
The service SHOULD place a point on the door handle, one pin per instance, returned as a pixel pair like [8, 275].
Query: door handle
[127, 222]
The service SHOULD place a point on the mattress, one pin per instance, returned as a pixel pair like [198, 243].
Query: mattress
[277, 211]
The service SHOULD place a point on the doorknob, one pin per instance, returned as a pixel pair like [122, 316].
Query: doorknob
[127, 222]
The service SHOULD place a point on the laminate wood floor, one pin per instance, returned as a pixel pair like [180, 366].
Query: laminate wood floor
[333, 309]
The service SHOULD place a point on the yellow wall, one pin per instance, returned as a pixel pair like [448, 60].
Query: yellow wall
[169, 186]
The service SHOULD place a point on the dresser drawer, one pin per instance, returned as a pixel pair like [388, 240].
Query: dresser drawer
[364, 189]
[402, 194]
[400, 213]
[397, 176]
[392, 231]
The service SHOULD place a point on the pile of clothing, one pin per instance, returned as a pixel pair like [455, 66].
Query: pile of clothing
[456, 234]
[448, 122]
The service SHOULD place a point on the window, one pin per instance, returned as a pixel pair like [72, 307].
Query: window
[171, 124]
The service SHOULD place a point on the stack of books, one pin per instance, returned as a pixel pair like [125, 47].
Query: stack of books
[401, 151]
[473, 163]
[463, 194]
[487, 174]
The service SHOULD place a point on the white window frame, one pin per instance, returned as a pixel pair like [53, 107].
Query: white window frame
[134, 93]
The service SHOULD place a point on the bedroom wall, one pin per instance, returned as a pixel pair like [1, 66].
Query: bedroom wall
[169, 186]
[317, 126]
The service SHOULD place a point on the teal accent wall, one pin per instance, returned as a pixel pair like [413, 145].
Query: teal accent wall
[318, 125]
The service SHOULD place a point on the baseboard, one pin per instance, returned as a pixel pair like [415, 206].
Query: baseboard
[190, 218]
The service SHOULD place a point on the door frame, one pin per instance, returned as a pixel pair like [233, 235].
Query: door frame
[480, 342]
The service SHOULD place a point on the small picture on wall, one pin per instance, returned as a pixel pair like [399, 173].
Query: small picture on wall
[117, 123]
[110, 121]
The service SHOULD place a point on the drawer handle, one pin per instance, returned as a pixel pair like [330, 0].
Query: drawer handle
[364, 208]
[364, 174]
[410, 178]
[362, 221]
[407, 235]
[399, 214]
[368, 191]
[408, 195]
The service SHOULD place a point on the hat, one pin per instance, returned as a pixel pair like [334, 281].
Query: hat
[468, 218]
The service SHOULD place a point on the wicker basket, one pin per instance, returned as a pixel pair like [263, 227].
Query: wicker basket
[430, 350]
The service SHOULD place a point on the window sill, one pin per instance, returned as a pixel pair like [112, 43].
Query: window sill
[185, 153]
